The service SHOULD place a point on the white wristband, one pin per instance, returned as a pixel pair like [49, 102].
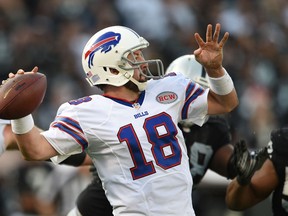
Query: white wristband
[22, 125]
[221, 85]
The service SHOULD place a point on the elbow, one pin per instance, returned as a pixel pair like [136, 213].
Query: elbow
[231, 206]
[235, 208]
[232, 106]
[234, 204]
[229, 107]
[233, 102]
[31, 158]
[225, 103]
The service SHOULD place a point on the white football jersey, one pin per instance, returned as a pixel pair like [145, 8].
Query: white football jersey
[137, 148]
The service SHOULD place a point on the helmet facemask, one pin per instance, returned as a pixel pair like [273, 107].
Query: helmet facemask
[154, 69]
[156, 65]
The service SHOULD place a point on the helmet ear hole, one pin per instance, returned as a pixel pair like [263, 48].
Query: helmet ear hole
[113, 71]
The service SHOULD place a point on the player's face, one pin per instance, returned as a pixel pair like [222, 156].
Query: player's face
[138, 57]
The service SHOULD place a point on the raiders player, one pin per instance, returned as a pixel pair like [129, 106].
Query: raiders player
[272, 177]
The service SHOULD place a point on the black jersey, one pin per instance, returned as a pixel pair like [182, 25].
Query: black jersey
[278, 150]
[202, 143]
[92, 201]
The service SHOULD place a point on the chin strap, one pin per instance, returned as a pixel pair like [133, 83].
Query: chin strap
[141, 85]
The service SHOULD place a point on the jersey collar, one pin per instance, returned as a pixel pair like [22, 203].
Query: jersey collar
[137, 102]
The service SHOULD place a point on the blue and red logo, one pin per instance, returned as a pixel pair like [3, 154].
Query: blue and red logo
[104, 43]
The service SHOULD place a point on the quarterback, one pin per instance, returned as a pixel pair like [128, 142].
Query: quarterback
[129, 132]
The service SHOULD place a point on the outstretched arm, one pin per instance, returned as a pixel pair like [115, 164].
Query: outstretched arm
[222, 97]
[33, 146]
[256, 178]
[8, 141]
[240, 197]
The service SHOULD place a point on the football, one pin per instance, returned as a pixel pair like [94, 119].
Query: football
[21, 95]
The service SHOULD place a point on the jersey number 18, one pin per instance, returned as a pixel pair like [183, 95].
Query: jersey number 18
[159, 140]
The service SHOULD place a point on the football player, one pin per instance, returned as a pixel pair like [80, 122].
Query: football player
[272, 177]
[130, 132]
[211, 143]
[209, 147]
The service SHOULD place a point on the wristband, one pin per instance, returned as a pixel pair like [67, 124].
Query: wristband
[22, 125]
[221, 85]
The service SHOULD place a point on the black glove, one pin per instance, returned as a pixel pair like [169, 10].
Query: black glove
[260, 157]
[246, 163]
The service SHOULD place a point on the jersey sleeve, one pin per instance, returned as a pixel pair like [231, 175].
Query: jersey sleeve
[195, 107]
[65, 133]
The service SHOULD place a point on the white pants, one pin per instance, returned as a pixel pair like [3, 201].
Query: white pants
[74, 212]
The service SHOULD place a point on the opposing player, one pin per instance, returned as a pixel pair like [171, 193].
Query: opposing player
[272, 177]
[130, 132]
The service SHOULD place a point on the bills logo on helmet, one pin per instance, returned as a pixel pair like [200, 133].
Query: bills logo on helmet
[104, 43]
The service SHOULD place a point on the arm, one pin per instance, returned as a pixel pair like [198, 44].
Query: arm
[225, 159]
[9, 141]
[240, 197]
[222, 97]
[32, 144]
[221, 159]
[218, 104]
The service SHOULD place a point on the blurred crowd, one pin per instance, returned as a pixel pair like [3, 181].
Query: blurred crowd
[51, 35]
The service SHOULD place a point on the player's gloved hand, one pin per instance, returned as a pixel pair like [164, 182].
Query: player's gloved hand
[260, 157]
[246, 163]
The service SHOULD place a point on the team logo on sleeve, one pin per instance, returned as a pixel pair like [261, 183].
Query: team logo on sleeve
[103, 44]
[166, 97]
